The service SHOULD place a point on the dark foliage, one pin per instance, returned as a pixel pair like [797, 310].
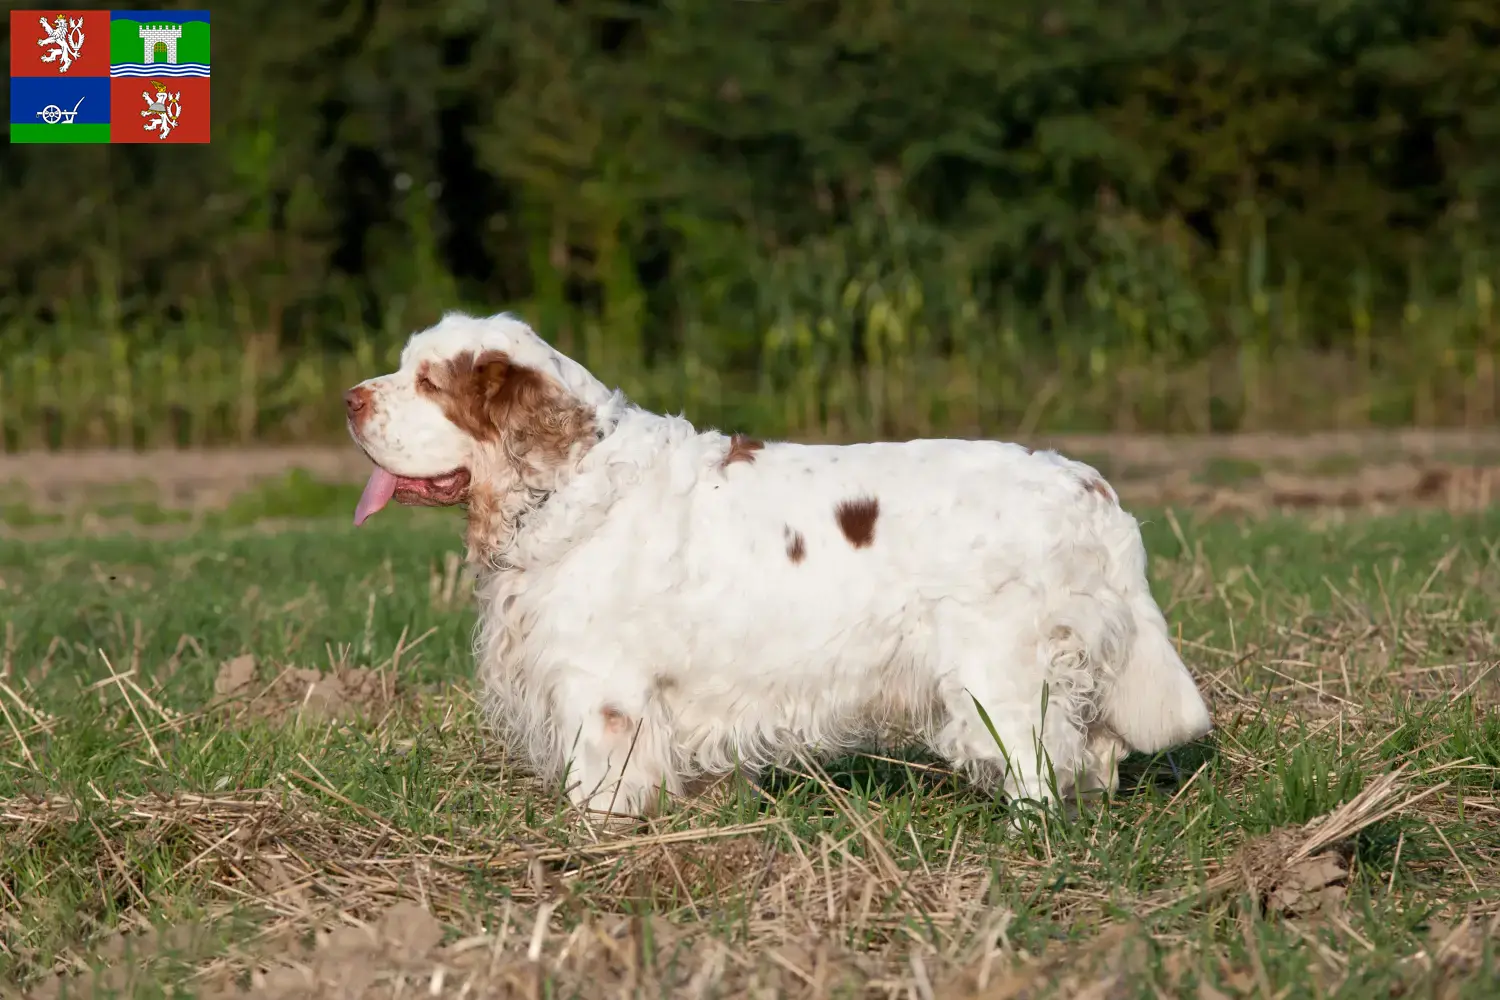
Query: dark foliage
[651, 163]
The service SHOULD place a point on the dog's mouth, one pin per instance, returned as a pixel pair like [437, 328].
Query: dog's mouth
[434, 491]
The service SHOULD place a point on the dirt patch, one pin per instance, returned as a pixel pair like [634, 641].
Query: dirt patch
[1301, 870]
[397, 953]
[1457, 949]
[1458, 470]
[180, 478]
[403, 952]
[1290, 885]
[1377, 487]
[1328, 448]
[302, 692]
[406, 951]
[125, 962]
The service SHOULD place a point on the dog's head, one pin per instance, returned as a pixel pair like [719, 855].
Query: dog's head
[480, 409]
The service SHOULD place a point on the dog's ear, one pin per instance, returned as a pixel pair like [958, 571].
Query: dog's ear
[485, 391]
[492, 386]
[532, 418]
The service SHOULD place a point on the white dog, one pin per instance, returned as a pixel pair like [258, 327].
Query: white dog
[659, 605]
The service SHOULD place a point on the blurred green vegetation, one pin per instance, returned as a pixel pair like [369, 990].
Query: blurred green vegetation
[831, 218]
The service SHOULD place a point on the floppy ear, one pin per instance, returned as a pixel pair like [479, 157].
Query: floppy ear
[487, 387]
[488, 391]
[534, 428]
[534, 420]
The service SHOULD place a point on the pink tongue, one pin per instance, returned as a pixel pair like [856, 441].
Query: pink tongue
[378, 493]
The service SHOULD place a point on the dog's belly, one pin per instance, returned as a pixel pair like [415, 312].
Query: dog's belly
[824, 714]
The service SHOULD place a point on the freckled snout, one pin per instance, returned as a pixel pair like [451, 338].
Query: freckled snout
[358, 404]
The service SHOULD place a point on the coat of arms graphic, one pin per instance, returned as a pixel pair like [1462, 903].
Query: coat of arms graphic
[165, 106]
[66, 39]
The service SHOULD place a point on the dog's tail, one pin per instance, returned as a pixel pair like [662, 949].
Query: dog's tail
[1150, 699]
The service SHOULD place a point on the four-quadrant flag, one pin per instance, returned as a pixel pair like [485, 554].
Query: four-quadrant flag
[109, 76]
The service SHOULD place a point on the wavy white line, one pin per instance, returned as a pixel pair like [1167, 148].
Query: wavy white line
[147, 69]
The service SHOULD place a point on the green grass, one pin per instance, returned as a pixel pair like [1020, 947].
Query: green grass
[42, 133]
[1334, 651]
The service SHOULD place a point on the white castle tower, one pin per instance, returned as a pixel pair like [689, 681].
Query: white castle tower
[167, 34]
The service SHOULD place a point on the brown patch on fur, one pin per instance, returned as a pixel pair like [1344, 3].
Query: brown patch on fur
[796, 546]
[857, 520]
[741, 449]
[1100, 488]
[493, 399]
[533, 424]
[487, 523]
[616, 722]
[425, 384]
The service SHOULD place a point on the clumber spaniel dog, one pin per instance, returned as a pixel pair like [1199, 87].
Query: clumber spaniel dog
[659, 604]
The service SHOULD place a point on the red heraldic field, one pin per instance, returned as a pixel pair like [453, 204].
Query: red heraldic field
[135, 103]
[68, 59]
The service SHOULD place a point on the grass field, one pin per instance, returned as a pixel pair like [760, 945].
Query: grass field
[245, 755]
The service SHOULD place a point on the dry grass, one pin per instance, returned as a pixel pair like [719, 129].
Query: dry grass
[251, 764]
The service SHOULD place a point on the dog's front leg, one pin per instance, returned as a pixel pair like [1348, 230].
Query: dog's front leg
[615, 762]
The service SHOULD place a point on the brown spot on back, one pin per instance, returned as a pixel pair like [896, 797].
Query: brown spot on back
[741, 449]
[857, 520]
[796, 546]
[1100, 488]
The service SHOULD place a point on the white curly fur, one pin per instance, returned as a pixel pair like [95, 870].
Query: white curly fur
[649, 615]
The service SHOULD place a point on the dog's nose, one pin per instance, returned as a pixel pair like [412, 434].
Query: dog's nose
[356, 399]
